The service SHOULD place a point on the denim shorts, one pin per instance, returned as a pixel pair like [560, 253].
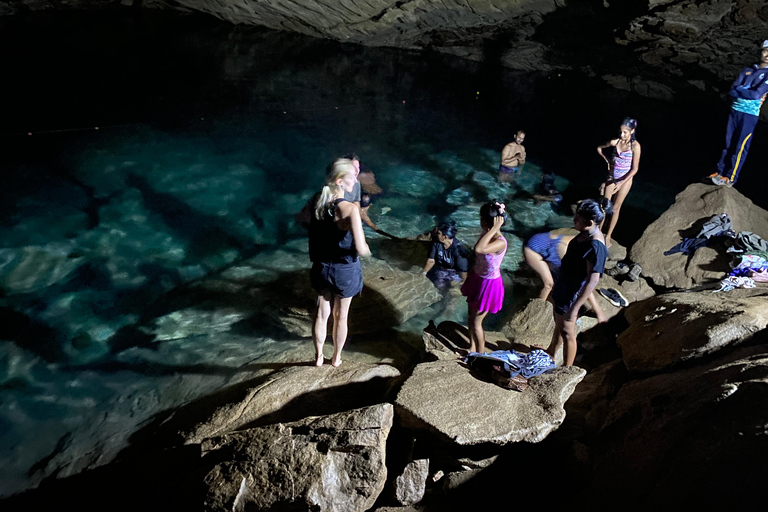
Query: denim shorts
[342, 279]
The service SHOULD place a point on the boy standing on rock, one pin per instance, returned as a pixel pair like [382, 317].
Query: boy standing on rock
[749, 91]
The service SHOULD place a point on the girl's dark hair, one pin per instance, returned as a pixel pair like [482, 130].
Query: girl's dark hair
[491, 209]
[632, 125]
[448, 228]
[589, 209]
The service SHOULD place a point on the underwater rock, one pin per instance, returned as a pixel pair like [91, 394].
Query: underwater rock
[287, 395]
[443, 398]
[28, 269]
[675, 327]
[450, 163]
[193, 321]
[333, 463]
[692, 208]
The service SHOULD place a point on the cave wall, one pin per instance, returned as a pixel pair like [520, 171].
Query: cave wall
[656, 48]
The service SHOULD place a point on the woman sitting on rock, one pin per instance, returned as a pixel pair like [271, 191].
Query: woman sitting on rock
[484, 288]
[622, 168]
[336, 239]
[580, 271]
[446, 259]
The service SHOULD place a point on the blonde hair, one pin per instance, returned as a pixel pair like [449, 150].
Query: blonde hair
[341, 167]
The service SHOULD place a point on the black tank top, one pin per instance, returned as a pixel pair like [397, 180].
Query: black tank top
[328, 243]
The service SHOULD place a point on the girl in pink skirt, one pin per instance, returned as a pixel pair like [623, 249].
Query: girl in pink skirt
[484, 288]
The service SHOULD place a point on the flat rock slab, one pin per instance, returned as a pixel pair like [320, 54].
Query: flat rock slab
[333, 463]
[444, 397]
[676, 327]
[694, 206]
[287, 395]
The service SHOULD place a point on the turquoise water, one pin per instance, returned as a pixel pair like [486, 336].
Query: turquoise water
[180, 149]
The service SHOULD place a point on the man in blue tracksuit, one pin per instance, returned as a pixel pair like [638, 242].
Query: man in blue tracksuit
[749, 91]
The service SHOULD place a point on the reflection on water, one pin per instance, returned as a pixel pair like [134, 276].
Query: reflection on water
[210, 139]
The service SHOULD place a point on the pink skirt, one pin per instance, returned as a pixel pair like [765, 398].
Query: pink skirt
[483, 294]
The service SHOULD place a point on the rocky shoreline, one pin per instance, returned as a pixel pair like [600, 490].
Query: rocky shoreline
[664, 396]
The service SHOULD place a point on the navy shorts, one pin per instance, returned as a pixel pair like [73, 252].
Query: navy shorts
[342, 279]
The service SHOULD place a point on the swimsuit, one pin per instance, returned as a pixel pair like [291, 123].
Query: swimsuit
[484, 288]
[507, 170]
[546, 247]
[622, 164]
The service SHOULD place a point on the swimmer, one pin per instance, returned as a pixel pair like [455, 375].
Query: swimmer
[622, 168]
[512, 157]
[446, 260]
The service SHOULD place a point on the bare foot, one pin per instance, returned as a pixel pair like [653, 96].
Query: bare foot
[336, 362]
[608, 243]
[319, 360]
[601, 319]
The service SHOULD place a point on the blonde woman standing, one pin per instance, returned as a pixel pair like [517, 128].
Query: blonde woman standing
[336, 240]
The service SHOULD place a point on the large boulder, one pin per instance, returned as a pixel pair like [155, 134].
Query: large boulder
[675, 327]
[334, 463]
[689, 439]
[443, 397]
[694, 206]
[287, 395]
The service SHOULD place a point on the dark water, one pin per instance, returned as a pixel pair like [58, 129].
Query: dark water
[149, 149]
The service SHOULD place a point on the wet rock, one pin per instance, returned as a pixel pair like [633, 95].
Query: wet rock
[675, 327]
[443, 396]
[667, 438]
[410, 485]
[694, 206]
[331, 463]
[287, 395]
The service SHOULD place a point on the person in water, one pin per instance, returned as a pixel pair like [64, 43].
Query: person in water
[512, 157]
[544, 253]
[580, 271]
[483, 287]
[446, 260]
[748, 92]
[622, 167]
[336, 241]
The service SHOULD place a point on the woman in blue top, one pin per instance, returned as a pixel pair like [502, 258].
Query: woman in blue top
[622, 168]
[336, 239]
[580, 271]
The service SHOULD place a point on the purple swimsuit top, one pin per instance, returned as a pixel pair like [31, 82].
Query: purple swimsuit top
[487, 265]
[622, 163]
